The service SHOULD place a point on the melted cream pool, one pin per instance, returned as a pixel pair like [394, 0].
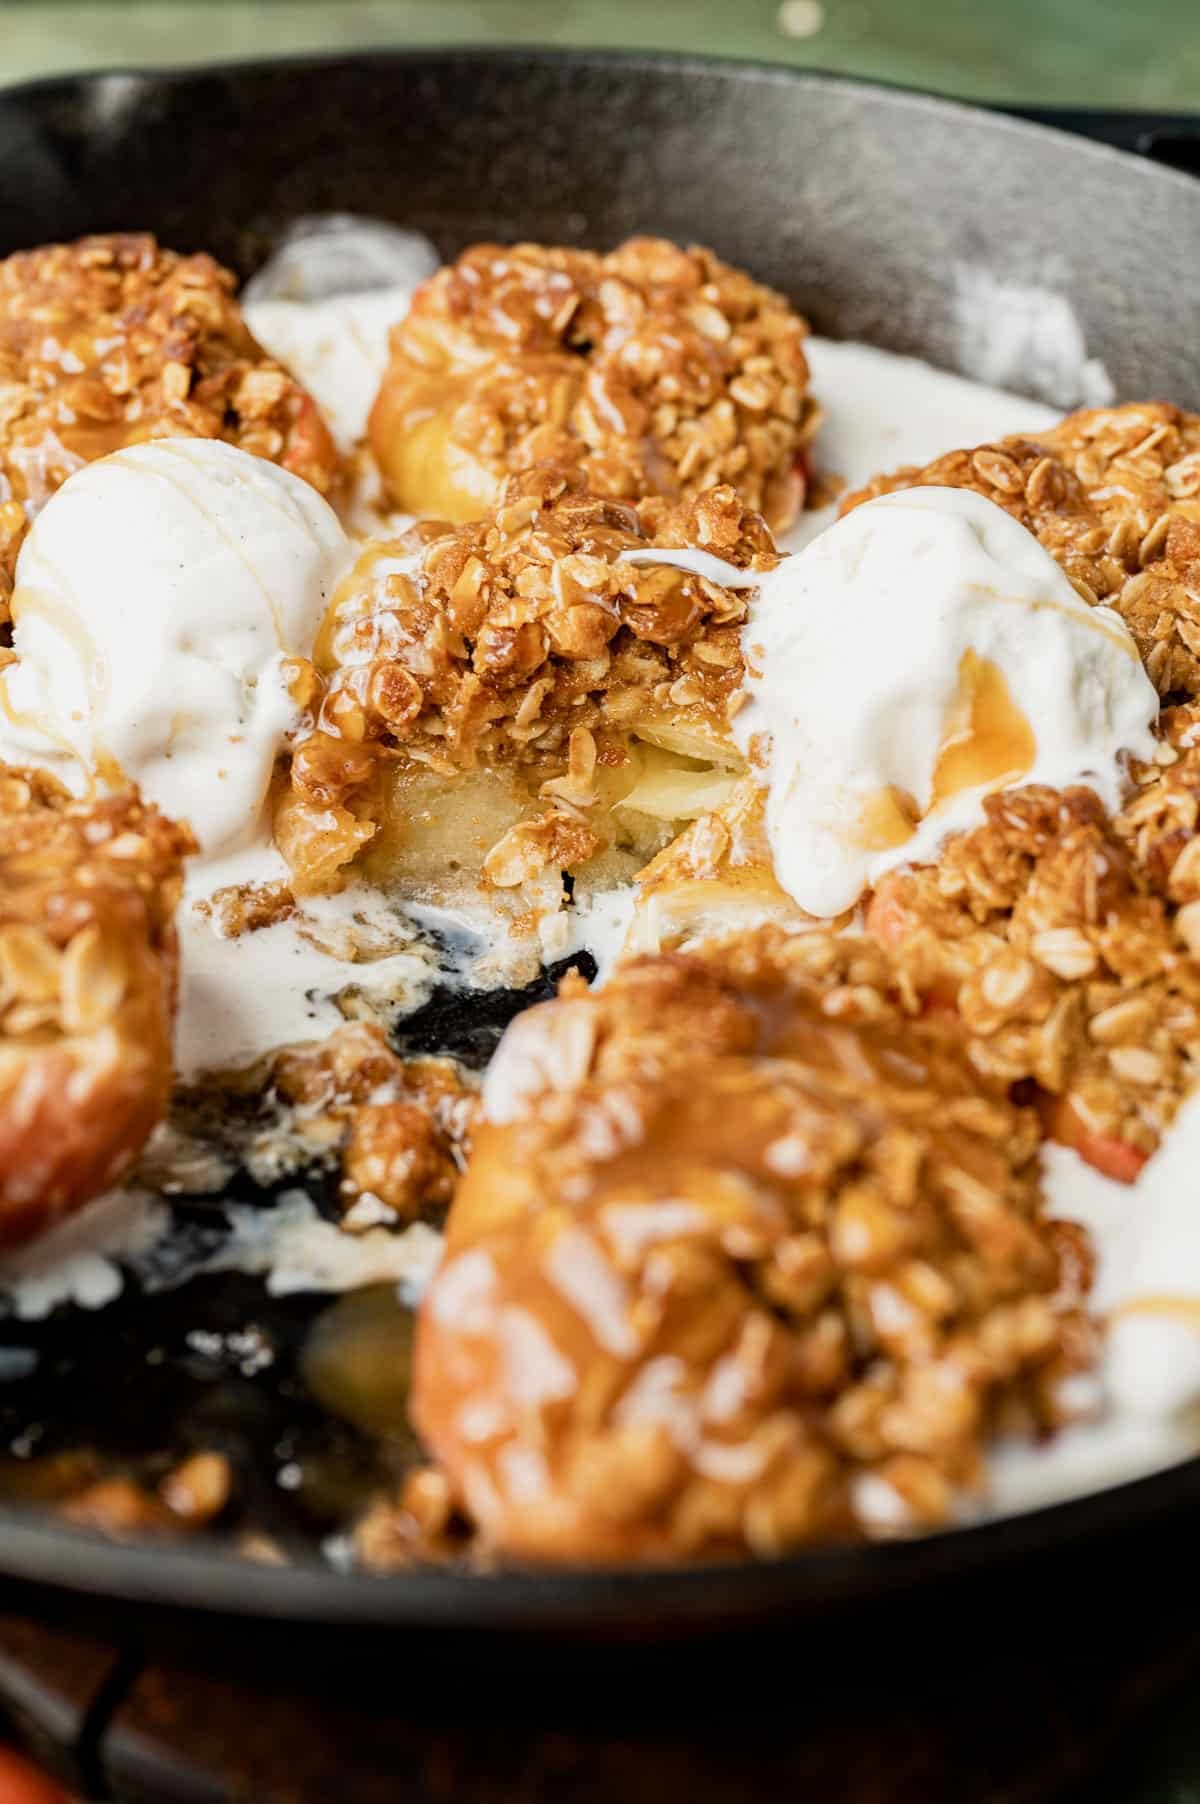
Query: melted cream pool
[241, 998]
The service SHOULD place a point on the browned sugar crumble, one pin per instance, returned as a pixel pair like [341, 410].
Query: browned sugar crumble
[88, 973]
[649, 370]
[781, 1245]
[1068, 942]
[401, 1127]
[520, 642]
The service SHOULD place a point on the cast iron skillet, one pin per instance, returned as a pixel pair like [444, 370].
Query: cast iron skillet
[860, 202]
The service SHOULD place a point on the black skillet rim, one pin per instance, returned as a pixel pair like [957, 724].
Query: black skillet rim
[38, 1550]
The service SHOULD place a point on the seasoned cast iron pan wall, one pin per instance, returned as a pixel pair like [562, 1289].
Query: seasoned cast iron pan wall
[856, 201]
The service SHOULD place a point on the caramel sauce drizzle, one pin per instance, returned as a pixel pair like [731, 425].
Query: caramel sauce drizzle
[986, 742]
[986, 739]
[1180, 1309]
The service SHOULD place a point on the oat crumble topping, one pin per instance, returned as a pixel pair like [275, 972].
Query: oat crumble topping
[518, 642]
[649, 370]
[88, 958]
[1067, 942]
[400, 1127]
[761, 1245]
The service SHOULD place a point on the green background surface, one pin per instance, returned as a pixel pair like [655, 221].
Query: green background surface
[1131, 53]
[1136, 53]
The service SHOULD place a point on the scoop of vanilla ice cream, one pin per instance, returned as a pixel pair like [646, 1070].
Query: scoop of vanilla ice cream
[324, 304]
[338, 348]
[921, 652]
[157, 598]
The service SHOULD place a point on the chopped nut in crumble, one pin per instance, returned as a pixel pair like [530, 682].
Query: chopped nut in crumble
[112, 341]
[1114, 496]
[652, 370]
[745, 1243]
[87, 991]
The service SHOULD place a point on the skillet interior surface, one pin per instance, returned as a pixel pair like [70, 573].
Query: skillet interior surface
[866, 206]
